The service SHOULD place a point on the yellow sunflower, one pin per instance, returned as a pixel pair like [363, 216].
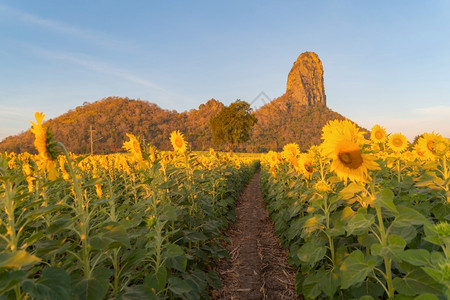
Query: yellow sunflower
[305, 163]
[290, 150]
[178, 142]
[338, 128]
[45, 146]
[344, 146]
[431, 145]
[398, 142]
[378, 134]
[134, 147]
[40, 136]
[274, 158]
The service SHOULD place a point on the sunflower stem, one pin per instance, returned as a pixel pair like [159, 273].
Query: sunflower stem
[387, 261]
[83, 214]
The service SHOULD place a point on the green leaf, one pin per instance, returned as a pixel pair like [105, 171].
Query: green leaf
[90, 289]
[197, 282]
[95, 287]
[311, 252]
[409, 216]
[329, 282]
[157, 281]
[433, 273]
[179, 286]
[111, 235]
[54, 284]
[213, 279]
[354, 269]
[9, 278]
[195, 236]
[359, 223]
[61, 224]
[310, 287]
[396, 245]
[138, 292]
[18, 260]
[416, 257]
[408, 233]
[385, 199]
[34, 237]
[417, 281]
[426, 296]
[175, 257]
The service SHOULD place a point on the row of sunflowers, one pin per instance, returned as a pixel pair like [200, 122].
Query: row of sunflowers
[364, 217]
[142, 225]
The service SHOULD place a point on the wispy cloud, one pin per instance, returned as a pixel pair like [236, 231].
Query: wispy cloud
[434, 111]
[62, 27]
[94, 64]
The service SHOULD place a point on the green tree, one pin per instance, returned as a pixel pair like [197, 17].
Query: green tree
[233, 124]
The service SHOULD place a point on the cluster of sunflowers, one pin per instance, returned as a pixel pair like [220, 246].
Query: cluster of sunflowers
[50, 164]
[366, 204]
[351, 156]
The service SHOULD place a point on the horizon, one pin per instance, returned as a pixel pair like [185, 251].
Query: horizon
[384, 63]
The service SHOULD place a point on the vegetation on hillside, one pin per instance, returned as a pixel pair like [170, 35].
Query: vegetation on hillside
[280, 122]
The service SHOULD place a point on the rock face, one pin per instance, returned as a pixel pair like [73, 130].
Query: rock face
[305, 81]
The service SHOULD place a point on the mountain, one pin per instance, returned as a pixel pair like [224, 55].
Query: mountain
[111, 118]
[297, 116]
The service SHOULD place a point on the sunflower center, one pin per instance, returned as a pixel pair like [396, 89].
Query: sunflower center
[351, 159]
[397, 142]
[379, 135]
[430, 145]
[308, 167]
[179, 143]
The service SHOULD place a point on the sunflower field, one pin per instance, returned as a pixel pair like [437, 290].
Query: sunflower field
[142, 225]
[364, 217]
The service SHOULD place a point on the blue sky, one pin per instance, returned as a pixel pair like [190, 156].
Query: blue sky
[385, 62]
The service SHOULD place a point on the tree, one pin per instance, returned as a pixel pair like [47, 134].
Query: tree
[233, 124]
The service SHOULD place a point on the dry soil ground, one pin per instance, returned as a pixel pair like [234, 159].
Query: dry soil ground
[257, 268]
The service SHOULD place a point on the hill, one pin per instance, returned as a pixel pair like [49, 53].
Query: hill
[297, 116]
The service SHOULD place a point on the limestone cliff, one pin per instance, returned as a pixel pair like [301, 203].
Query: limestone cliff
[305, 81]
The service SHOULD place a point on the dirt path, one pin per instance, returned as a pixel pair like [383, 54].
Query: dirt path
[258, 266]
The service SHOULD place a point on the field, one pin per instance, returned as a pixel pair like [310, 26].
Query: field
[360, 218]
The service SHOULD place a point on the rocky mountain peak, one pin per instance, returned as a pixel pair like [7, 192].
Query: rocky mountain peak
[305, 81]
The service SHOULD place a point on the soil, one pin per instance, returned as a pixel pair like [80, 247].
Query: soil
[257, 268]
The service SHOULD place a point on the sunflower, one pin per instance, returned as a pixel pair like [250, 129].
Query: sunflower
[431, 145]
[45, 146]
[305, 163]
[322, 186]
[134, 147]
[378, 134]
[290, 150]
[343, 128]
[274, 158]
[398, 142]
[344, 146]
[178, 142]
